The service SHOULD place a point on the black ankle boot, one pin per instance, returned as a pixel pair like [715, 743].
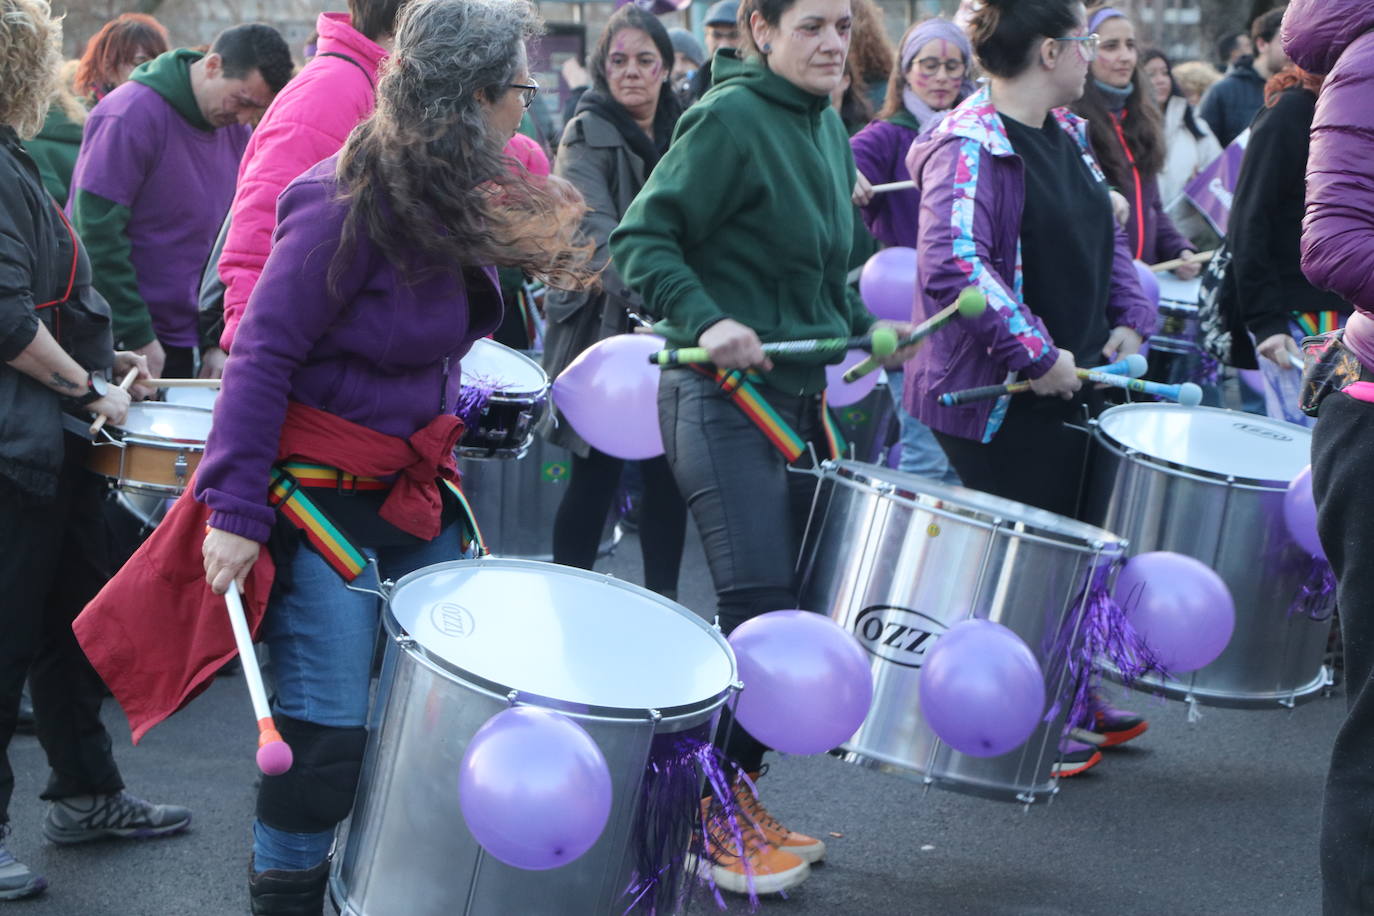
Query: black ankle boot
[278, 892]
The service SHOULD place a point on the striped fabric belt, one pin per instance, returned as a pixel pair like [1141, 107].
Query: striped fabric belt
[1314, 323]
[291, 479]
[740, 387]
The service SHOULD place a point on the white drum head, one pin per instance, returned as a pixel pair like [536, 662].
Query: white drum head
[175, 422]
[565, 634]
[495, 366]
[1220, 443]
[1176, 292]
[203, 398]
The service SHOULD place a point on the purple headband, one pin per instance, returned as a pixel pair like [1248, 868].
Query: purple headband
[1102, 15]
[929, 31]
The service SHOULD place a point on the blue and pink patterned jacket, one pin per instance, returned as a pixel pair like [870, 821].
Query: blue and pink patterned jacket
[972, 196]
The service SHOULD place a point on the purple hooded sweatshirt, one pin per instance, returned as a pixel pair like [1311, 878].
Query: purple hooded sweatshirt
[972, 196]
[1336, 38]
[384, 353]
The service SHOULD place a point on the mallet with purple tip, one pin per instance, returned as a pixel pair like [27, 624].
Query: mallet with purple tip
[274, 755]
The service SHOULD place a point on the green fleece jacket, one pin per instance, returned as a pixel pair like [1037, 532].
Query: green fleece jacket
[54, 151]
[748, 216]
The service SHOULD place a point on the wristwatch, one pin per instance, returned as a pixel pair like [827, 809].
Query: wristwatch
[99, 388]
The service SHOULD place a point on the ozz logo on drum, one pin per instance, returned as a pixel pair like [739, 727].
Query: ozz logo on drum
[896, 634]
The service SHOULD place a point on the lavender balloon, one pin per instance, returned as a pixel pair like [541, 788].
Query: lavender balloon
[1300, 512]
[982, 691]
[807, 683]
[610, 396]
[1180, 607]
[534, 788]
[1148, 281]
[838, 392]
[888, 284]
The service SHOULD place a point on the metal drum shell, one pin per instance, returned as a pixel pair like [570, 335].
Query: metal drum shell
[913, 553]
[406, 850]
[1235, 525]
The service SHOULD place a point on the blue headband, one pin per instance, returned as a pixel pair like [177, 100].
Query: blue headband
[1102, 15]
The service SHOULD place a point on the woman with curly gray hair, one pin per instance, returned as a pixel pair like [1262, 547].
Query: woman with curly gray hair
[345, 372]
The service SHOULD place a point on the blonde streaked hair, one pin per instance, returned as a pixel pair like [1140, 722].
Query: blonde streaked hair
[30, 55]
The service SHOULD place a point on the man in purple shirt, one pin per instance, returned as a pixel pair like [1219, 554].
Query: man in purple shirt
[155, 177]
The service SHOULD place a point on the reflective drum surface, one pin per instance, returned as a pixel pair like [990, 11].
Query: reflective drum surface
[1210, 483]
[518, 401]
[628, 666]
[897, 560]
[154, 450]
[1175, 350]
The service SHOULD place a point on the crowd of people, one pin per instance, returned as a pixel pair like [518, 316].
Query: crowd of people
[332, 241]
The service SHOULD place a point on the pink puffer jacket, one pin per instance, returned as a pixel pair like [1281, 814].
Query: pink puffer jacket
[307, 122]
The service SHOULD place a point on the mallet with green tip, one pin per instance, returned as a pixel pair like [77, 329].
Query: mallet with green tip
[882, 342]
[970, 304]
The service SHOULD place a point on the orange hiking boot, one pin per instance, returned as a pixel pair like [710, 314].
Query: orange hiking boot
[807, 848]
[770, 870]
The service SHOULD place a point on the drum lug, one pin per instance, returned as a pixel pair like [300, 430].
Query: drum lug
[655, 716]
[405, 641]
[180, 467]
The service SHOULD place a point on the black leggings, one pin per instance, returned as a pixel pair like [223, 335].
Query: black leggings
[582, 516]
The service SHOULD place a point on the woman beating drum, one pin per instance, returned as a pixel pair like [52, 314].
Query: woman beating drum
[741, 235]
[621, 128]
[1013, 201]
[343, 384]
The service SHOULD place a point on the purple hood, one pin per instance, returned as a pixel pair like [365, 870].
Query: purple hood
[1317, 32]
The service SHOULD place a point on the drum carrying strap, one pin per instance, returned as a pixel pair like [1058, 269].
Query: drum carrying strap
[291, 479]
[1315, 323]
[741, 389]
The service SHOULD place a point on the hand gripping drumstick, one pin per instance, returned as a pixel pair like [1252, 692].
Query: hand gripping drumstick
[1187, 394]
[970, 304]
[274, 755]
[1202, 257]
[881, 342]
[1133, 366]
[99, 423]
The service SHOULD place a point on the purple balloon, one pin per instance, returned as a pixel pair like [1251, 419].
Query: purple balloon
[1148, 281]
[1300, 512]
[982, 691]
[610, 396]
[1180, 607]
[838, 392]
[807, 683]
[888, 284]
[534, 788]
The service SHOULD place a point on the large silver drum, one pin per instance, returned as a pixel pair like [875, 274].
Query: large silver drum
[897, 560]
[1210, 483]
[467, 639]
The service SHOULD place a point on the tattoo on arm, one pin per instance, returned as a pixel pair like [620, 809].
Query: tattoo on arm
[60, 381]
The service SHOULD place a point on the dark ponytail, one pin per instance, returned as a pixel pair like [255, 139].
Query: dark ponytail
[1005, 32]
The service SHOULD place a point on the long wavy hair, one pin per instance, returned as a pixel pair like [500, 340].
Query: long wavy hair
[427, 180]
[1142, 126]
[115, 46]
[869, 45]
[1189, 116]
[30, 55]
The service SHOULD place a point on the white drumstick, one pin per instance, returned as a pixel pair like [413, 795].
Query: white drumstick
[183, 382]
[1295, 361]
[894, 186]
[274, 755]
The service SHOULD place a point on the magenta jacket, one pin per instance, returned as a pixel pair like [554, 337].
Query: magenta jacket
[1336, 37]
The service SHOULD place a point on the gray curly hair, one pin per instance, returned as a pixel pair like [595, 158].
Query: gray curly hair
[30, 55]
[426, 177]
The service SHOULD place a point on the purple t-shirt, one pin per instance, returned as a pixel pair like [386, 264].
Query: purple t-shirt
[177, 181]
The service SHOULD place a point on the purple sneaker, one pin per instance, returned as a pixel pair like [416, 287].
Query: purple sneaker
[1115, 726]
[1074, 758]
[17, 880]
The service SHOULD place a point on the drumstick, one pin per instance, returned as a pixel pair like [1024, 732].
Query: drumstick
[1202, 257]
[274, 754]
[970, 304]
[1295, 361]
[893, 186]
[882, 342]
[100, 420]
[1187, 394]
[183, 382]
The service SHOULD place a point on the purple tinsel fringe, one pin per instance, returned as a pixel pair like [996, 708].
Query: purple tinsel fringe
[1316, 596]
[671, 828]
[1208, 370]
[472, 400]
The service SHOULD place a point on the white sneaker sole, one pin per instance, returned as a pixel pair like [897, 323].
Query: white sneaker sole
[809, 854]
[735, 883]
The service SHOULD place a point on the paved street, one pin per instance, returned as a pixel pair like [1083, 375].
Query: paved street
[1214, 817]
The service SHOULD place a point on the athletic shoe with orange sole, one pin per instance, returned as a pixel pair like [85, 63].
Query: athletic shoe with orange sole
[1114, 726]
[775, 834]
[1074, 758]
[762, 868]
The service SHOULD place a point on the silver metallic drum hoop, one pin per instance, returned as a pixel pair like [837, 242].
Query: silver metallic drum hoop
[948, 505]
[513, 393]
[513, 693]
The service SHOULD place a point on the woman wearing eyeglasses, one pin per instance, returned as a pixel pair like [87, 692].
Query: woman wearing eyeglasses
[1013, 202]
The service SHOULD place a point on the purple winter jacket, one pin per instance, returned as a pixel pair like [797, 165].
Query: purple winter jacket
[1336, 38]
[880, 154]
[383, 353]
[972, 196]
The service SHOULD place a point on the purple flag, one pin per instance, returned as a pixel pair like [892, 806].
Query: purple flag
[1211, 189]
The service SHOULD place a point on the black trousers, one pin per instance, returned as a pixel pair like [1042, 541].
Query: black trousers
[1342, 444]
[750, 510]
[53, 559]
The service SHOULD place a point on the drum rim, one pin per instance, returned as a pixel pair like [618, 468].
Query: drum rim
[408, 644]
[539, 393]
[1143, 457]
[856, 473]
[145, 438]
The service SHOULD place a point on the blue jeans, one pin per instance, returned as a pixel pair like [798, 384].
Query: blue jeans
[321, 637]
[921, 453]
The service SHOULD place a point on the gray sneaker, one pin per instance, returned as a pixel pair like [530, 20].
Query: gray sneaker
[83, 818]
[16, 879]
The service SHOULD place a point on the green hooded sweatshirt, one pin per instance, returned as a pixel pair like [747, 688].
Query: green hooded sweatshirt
[55, 150]
[748, 216]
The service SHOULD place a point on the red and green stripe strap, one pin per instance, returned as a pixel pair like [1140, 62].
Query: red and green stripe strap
[784, 438]
[473, 534]
[323, 536]
[1314, 323]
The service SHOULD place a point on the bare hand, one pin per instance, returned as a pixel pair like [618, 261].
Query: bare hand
[126, 360]
[1277, 347]
[157, 358]
[1121, 208]
[212, 363]
[1122, 342]
[1190, 268]
[732, 345]
[1062, 379]
[863, 191]
[228, 558]
[114, 406]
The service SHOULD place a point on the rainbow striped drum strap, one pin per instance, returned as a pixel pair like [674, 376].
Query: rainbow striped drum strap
[1314, 323]
[741, 389]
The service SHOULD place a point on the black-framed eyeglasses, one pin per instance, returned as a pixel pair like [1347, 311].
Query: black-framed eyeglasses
[527, 92]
